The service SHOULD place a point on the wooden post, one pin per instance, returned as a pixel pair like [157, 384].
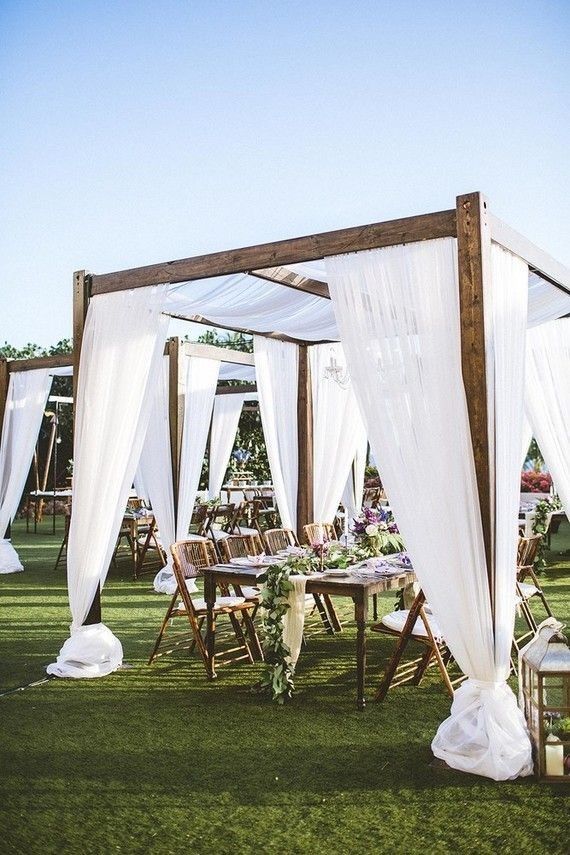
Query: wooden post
[4, 383]
[305, 443]
[81, 294]
[474, 259]
[176, 391]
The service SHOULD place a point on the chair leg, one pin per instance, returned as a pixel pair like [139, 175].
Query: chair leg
[167, 617]
[400, 647]
[61, 549]
[323, 614]
[254, 642]
[422, 667]
[331, 611]
[240, 634]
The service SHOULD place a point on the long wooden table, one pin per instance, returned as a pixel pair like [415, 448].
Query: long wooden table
[358, 588]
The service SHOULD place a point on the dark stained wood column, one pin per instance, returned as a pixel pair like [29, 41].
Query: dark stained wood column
[305, 443]
[176, 391]
[474, 260]
[81, 293]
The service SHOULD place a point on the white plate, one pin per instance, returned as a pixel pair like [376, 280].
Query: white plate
[336, 571]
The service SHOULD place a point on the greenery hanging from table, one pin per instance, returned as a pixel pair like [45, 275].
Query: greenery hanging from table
[375, 534]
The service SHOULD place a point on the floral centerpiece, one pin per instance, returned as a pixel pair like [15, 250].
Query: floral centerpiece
[376, 533]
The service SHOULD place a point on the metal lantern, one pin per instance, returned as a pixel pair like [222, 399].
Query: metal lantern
[545, 698]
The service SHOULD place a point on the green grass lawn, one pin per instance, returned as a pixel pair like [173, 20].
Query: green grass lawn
[156, 760]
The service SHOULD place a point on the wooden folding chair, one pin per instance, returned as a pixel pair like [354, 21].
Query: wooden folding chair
[526, 591]
[277, 539]
[240, 546]
[221, 523]
[190, 558]
[315, 532]
[415, 624]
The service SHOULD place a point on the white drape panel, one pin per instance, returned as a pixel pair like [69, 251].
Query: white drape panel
[156, 470]
[200, 380]
[121, 356]
[277, 369]
[337, 430]
[225, 420]
[25, 404]
[546, 302]
[548, 399]
[398, 313]
[526, 437]
[354, 487]
[244, 301]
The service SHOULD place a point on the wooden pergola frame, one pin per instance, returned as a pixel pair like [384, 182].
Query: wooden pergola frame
[470, 221]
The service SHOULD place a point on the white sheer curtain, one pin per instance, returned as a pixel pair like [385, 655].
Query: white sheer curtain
[337, 428]
[548, 399]
[121, 357]
[354, 487]
[25, 404]
[277, 370]
[398, 313]
[225, 420]
[200, 380]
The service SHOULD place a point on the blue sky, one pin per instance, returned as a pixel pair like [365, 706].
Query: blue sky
[134, 132]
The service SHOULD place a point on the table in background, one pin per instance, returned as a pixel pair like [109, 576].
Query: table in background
[36, 497]
[358, 588]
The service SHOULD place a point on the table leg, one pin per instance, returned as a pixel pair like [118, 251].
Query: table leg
[360, 614]
[210, 598]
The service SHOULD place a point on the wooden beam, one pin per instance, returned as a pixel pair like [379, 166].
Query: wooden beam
[176, 392]
[282, 276]
[308, 248]
[538, 261]
[224, 354]
[474, 258]
[305, 443]
[81, 293]
[245, 388]
[4, 383]
[58, 360]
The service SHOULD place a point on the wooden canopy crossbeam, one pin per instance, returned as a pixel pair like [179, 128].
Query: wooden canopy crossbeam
[279, 253]
[59, 360]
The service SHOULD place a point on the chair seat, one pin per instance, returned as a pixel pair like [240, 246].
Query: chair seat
[221, 603]
[245, 530]
[218, 534]
[250, 593]
[394, 621]
[527, 590]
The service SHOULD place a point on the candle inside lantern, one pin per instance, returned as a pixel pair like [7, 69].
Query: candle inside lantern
[554, 751]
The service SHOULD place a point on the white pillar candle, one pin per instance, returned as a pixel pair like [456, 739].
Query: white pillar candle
[554, 755]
